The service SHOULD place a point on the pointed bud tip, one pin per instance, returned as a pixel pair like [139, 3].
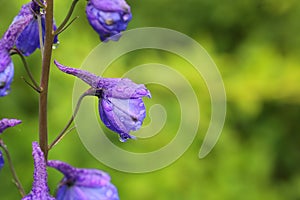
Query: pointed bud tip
[143, 92]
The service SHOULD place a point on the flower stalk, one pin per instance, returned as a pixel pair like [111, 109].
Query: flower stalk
[64, 24]
[33, 83]
[89, 92]
[43, 99]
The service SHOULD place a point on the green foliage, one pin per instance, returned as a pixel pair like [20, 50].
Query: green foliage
[255, 45]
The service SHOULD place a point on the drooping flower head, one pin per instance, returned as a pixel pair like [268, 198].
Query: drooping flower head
[108, 17]
[121, 106]
[40, 188]
[79, 184]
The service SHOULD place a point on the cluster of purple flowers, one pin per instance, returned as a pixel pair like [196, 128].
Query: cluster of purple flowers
[121, 107]
[23, 33]
[107, 17]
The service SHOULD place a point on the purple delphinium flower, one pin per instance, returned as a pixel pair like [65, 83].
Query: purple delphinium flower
[6, 123]
[7, 42]
[108, 17]
[121, 106]
[28, 40]
[9, 38]
[83, 184]
[40, 190]
[23, 32]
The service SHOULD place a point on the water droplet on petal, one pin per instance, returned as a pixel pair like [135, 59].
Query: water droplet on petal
[126, 17]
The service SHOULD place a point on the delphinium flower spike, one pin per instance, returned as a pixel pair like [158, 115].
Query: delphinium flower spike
[121, 106]
[79, 184]
[108, 17]
[40, 190]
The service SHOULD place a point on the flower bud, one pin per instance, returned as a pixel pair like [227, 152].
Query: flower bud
[40, 189]
[108, 17]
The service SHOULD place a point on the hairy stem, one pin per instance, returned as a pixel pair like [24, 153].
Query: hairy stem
[12, 169]
[43, 127]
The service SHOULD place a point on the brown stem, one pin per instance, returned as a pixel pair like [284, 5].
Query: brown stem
[43, 127]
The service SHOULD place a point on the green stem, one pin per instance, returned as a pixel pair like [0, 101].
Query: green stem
[12, 169]
[66, 26]
[34, 84]
[63, 24]
[89, 92]
[43, 100]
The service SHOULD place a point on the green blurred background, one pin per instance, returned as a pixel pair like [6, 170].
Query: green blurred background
[255, 44]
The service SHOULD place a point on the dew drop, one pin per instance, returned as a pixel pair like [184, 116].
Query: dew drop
[122, 140]
[126, 17]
